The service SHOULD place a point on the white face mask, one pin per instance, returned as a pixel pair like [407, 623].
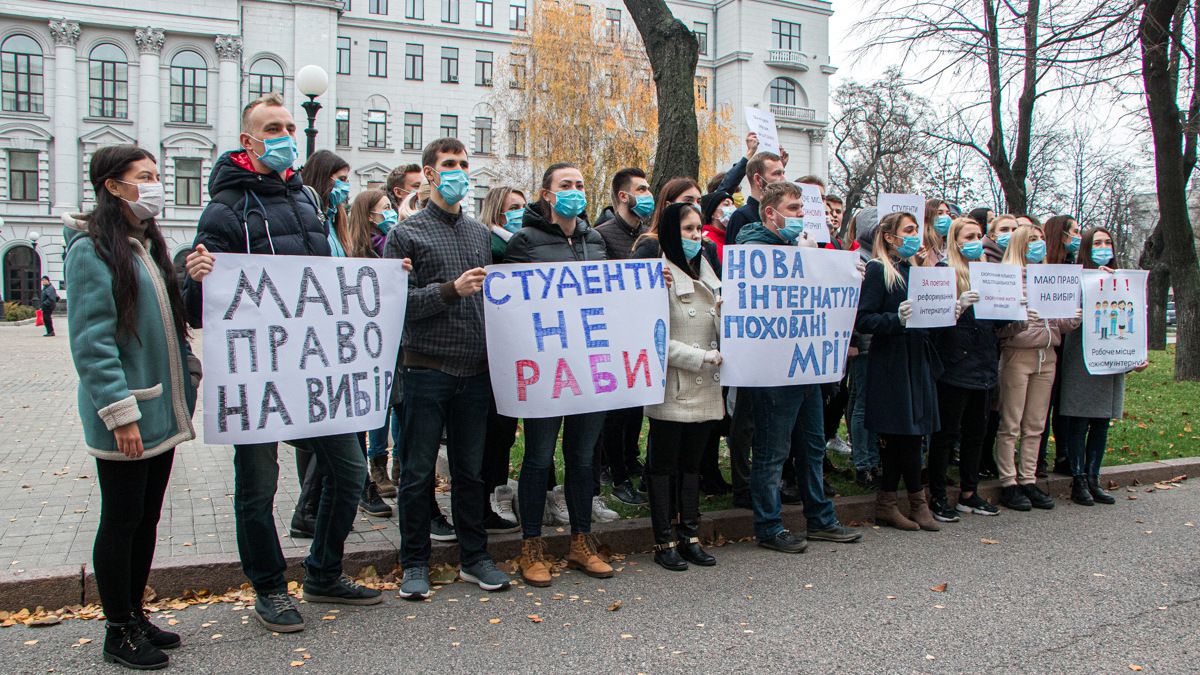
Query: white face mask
[150, 202]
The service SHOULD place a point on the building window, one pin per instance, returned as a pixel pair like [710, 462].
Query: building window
[612, 23]
[23, 175]
[189, 88]
[450, 64]
[519, 72]
[449, 126]
[376, 129]
[377, 7]
[702, 91]
[783, 91]
[483, 69]
[343, 56]
[414, 62]
[412, 131]
[187, 182]
[377, 58]
[266, 76]
[481, 192]
[342, 130]
[21, 68]
[483, 135]
[449, 11]
[414, 9]
[108, 82]
[483, 13]
[516, 138]
[517, 10]
[787, 35]
[700, 30]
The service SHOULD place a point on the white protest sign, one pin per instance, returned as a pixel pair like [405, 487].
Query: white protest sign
[889, 202]
[816, 225]
[1114, 320]
[1053, 290]
[762, 122]
[933, 292]
[297, 347]
[1000, 291]
[789, 316]
[577, 337]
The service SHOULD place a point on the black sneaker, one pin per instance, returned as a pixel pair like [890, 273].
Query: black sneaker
[1039, 499]
[277, 612]
[372, 504]
[865, 479]
[126, 644]
[606, 477]
[1012, 497]
[342, 591]
[163, 639]
[494, 524]
[830, 491]
[942, 511]
[440, 529]
[836, 534]
[785, 542]
[625, 493]
[977, 505]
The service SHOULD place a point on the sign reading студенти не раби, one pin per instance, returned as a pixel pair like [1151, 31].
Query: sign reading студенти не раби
[298, 346]
[576, 337]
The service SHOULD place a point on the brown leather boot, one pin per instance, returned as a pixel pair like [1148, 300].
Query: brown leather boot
[586, 559]
[534, 568]
[919, 511]
[379, 474]
[888, 513]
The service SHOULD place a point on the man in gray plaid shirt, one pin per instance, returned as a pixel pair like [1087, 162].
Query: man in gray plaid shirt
[446, 384]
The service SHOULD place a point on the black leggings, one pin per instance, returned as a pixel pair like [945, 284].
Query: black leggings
[901, 458]
[131, 497]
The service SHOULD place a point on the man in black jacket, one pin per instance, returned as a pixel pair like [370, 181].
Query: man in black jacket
[762, 169]
[48, 303]
[260, 205]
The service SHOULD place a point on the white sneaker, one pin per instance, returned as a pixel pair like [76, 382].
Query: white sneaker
[839, 446]
[556, 500]
[504, 502]
[601, 513]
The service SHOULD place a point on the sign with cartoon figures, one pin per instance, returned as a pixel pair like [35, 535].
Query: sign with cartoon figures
[1114, 320]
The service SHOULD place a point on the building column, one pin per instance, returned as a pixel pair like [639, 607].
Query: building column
[818, 161]
[229, 88]
[66, 116]
[149, 124]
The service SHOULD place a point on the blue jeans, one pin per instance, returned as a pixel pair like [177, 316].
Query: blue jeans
[864, 443]
[434, 401]
[377, 439]
[786, 418]
[580, 434]
[256, 477]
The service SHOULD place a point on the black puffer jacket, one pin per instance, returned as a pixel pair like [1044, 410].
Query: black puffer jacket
[970, 352]
[542, 241]
[243, 203]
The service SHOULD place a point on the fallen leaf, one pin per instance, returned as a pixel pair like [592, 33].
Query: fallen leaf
[300, 649]
[84, 641]
[989, 541]
[891, 597]
[614, 606]
[940, 588]
[534, 618]
[328, 617]
[930, 657]
[216, 636]
[30, 643]
[1135, 667]
[624, 636]
[493, 621]
[296, 664]
[172, 622]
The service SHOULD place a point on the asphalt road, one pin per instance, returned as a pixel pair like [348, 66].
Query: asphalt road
[1075, 590]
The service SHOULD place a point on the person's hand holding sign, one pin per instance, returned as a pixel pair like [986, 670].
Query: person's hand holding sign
[470, 283]
[199, 263]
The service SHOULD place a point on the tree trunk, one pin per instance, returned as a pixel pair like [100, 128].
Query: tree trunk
[673, 52]
[1157, 288]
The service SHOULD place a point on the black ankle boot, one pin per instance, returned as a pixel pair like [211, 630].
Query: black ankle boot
[661, 509]
[126, 644]
[688, 530]
[667, 556]
[1079, 492]
[1098, 494]
[163, 639]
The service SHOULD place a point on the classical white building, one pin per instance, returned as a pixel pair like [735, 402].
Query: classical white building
[173, 76]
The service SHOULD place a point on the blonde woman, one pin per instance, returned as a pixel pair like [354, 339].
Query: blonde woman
[999, 231]
[504, 213]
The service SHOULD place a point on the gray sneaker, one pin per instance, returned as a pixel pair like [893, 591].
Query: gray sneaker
[485, 574]
[440, 529]
[415, 585]
[837, 533]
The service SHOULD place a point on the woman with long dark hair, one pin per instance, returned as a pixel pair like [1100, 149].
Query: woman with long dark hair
[137, 384]
[329, 177]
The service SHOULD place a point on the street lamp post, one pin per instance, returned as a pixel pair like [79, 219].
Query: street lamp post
[312, 81]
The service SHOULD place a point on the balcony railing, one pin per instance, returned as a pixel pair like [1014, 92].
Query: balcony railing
[786, 58]
[793, 113]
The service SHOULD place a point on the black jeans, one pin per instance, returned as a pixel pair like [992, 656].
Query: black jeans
[131, 497]
[901, 458]
[835, 407]
[964, 415]
[622, 431]
[579, 435]
[676, 447]
[1085, 441]
[497, 448]
[740, 440]
[48, 320]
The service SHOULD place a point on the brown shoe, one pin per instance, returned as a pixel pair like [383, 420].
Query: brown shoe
[586, 559]
[534, 568]
[379, 474]
[919, 511]
[888, 513]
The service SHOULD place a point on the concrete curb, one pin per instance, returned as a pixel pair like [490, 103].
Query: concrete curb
[62, 586]
[14, 324]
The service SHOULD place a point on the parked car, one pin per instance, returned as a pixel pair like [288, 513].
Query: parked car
[1171, 313]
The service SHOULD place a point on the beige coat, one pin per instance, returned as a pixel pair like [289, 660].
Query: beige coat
[693, 387]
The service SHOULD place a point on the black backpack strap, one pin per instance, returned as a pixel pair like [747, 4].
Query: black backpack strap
[315, 201]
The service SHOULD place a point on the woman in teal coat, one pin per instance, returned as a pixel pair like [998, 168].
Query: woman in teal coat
[137, 384]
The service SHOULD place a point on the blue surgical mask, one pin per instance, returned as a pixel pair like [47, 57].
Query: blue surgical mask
[1036, 252]
[569, 203]
[340, 193]
[1073, 245]
[1102, 256]
[909, 248]
[453, 186]
[691, 248]
[727, 212]
[942, 224]
[972, 250]
[513, 220]
[389, 220]
[791, 230]
[279, 154]
[644, 205]
[1002, 240]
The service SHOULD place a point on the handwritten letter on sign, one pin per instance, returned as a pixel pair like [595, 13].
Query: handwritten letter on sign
[297, 347]
[787, 315]
[578, 337]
